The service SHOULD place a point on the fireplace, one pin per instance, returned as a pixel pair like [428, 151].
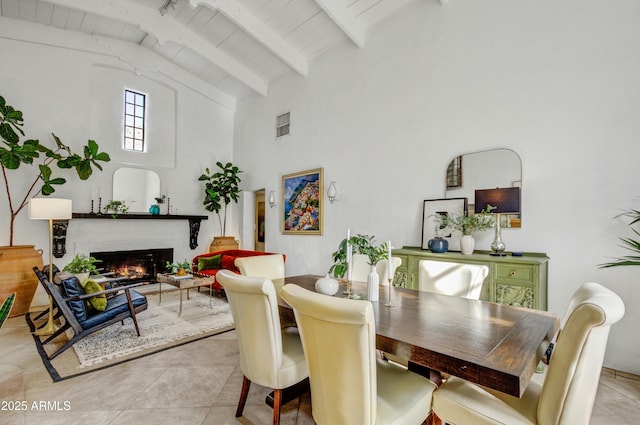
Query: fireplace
[139, 265]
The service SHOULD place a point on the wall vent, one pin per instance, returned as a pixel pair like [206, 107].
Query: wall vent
[283, 125]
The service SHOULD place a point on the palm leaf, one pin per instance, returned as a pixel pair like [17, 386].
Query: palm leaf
[5, 310]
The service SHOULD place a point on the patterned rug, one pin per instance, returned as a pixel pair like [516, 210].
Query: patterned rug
[160, 328]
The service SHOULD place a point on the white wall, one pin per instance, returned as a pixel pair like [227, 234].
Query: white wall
[554, 81]
[54, 87]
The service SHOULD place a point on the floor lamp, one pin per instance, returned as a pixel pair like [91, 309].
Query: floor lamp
[49, 209]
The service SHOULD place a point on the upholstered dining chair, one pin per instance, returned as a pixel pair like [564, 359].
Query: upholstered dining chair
[567, 394]
[269, 356]
[457, 279]
[349, 383]
[267, 266]
[360, 268]
[382, 268]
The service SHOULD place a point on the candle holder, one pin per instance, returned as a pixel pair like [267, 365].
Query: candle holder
[389, 303]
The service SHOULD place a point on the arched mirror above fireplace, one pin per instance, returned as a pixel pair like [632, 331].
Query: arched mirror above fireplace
[137, 186]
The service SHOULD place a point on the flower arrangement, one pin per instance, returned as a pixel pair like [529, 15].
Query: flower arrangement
[467, 224]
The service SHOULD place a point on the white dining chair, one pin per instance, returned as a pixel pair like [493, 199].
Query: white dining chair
[568, 392]
[447, 278]
[269, 356]
[382, 268]
[360, 268]
[270, 266]
[349, 383]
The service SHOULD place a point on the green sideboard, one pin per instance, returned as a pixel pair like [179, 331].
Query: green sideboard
[519, 281]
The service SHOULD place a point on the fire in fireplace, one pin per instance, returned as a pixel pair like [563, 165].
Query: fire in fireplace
[140, 265]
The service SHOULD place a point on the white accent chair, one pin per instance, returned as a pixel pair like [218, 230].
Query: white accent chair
[349, 383]
[456, 279]
[360, 268]
[269, 356]
[267, 266]
[383, 265]
[566, 397]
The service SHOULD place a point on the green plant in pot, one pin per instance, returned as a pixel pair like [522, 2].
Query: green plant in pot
[220, 189]
[178, 268]
[361, 244]
[467, 224]
[17, 154]
[630, 244]
[82, 266]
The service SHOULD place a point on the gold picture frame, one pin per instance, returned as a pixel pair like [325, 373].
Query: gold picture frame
[303, 202]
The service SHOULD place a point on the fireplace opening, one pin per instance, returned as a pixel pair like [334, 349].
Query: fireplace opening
[134, 266]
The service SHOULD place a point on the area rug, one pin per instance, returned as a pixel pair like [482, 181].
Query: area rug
[160, 328]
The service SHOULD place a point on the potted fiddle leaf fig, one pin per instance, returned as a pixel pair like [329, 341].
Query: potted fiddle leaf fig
[31, 152]
[17, 154]
[220, 189]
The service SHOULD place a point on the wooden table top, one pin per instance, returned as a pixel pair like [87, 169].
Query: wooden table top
[494, 345]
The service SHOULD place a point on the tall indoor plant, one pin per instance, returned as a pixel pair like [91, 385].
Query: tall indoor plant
[19, 260]
[221, 188]
[631, 244]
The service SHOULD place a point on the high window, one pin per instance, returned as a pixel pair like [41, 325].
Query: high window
[134, 120]
[283, 124]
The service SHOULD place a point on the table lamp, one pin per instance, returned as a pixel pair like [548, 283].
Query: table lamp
[49, 209]
[504, 200]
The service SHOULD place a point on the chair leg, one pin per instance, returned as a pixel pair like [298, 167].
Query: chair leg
[246, 384]
[433, 419]
[132, 311]
[277, 403]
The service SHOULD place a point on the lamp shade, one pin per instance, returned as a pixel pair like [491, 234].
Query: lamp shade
[505, 200]
[49, 208]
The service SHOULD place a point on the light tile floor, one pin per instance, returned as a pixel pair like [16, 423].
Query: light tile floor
[198, 384]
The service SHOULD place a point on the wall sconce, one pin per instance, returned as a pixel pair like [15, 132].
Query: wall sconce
[332, 192]
[272, 199]
[503, 201]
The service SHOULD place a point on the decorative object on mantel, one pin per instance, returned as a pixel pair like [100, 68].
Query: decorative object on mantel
[13, 154]
[498, 201]
[117, 207]
[630, 244]
[466, 224]
[221, 188]
[155, 208]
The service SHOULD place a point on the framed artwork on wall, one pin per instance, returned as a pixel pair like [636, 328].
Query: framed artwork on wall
[431, 228]
[303, 203]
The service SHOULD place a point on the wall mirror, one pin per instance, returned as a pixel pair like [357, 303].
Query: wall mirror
[484, 170]
[137, 186]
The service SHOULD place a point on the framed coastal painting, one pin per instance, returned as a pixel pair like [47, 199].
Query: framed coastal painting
[302, 202]
[431, 228]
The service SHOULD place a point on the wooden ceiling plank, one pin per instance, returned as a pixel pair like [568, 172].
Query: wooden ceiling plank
[344, 19]
[259, 31]
[167, 28]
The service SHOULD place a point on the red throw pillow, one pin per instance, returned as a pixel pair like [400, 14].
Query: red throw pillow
[228, 263]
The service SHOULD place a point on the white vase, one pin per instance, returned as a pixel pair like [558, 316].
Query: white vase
[373, 284]
[327, 285]
[467, 244]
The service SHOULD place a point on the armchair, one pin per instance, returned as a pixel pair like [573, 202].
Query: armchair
[71, 301]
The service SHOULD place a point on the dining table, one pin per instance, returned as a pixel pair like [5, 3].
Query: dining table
[494, 345]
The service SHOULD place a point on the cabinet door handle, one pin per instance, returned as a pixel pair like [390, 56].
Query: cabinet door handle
[513, 273]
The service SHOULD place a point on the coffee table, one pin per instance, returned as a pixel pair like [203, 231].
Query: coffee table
[184, 282]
